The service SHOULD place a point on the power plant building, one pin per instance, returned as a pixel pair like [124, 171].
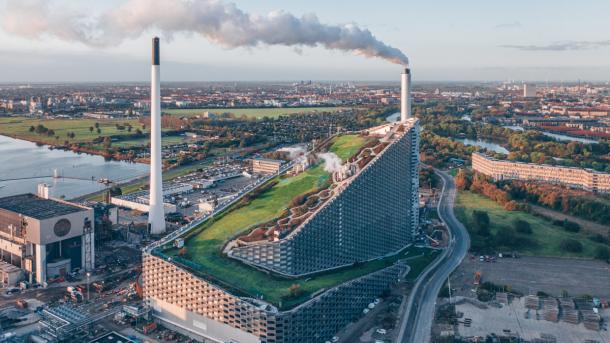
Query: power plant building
[45, 238]
[372, 214]
[363, 216]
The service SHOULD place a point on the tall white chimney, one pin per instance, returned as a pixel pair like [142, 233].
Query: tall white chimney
[405, 94]
[156, 214]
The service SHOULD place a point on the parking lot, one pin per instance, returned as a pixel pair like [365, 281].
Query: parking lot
[529, 275]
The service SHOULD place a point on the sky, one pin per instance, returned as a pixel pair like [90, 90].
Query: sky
[445, 40]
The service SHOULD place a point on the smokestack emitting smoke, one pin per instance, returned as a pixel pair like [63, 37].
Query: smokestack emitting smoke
[156, 213]
[405, 94]
[219, 22]
[332, 162]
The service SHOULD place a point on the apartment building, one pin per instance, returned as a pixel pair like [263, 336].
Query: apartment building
[581, 178]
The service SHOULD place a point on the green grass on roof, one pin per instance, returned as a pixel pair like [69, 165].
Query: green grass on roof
[347, 145]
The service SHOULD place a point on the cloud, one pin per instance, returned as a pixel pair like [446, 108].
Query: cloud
[219, 22]
[561, 46]
[512, 25]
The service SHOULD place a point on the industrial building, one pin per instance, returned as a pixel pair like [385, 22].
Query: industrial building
[45, 238]
[581, 178]
[139, 201]
[369, 212]
[373, 214]
[265, 165]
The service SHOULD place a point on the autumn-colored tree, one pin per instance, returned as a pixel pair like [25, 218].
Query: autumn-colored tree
[462, 181]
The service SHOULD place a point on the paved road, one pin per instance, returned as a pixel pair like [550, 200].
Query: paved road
[416, 323]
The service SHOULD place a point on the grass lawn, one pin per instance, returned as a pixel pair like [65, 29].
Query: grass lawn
[254, 283]
[347, 145]
[165, 140]
[18, 127]
[253, 112]
[545, 236]
[205, 244]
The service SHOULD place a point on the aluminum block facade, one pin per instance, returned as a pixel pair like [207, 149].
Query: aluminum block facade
[215, 314]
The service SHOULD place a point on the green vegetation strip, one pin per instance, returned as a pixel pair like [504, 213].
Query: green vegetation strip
[19, 127]
[245, 280]
[545, 239]
[253, 112]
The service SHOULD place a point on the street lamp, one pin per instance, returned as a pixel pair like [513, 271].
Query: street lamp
[88, 281]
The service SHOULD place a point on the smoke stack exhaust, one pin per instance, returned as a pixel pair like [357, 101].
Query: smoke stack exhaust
[156, 213]
[405, 94]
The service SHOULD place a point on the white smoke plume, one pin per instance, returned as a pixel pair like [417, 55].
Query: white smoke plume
[219, 22]
[332, 162]
[294, 152]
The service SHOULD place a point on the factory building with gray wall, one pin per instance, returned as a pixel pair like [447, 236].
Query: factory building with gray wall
[45, 238]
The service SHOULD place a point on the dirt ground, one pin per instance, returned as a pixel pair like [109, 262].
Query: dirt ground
[511, 319]
[529, 275]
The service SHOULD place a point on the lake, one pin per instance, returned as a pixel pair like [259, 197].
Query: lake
[484, 144]
[557, 136]
[33, 164]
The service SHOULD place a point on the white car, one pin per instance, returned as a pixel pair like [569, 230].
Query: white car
[335, 339]
[365, 311]
[381, 331]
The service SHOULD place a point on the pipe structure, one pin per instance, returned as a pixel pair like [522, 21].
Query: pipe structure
[156, 213]
[405, 94]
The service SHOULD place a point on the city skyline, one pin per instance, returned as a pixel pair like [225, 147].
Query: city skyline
[487, 42]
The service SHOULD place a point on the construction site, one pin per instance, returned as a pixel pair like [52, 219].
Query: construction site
[533, 319]
[525, 299]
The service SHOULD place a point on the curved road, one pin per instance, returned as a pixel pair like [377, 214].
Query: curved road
[416, 323]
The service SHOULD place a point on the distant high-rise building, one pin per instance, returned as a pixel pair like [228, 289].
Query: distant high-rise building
[529, 90]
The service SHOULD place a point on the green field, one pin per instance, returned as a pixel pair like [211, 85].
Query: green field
[18, 127]
[165, 140]
[545, 236]
[253, 112]
[347, 145]
[205, 244]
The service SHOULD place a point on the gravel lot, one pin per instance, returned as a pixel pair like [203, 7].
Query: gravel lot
[511, 317]
[532, 274]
